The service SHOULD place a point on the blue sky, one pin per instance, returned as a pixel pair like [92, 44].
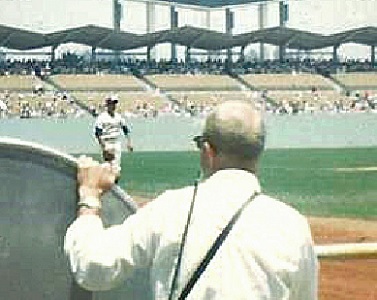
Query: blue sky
[321, 16]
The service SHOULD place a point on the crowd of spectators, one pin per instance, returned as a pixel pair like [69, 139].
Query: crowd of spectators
[71, 63]
[313, 66]
[349, 104]
[61, 105]
[38, 104]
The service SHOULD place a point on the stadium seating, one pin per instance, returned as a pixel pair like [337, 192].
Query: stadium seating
[19, 82]
[357, 81]
[97, 82]
[316, 100]
[287, 81]
[207, 98]
[46, 104]
[200, 91]
[188, 82]
[128, 101]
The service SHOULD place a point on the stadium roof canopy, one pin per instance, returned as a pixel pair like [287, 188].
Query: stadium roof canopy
[14, 38]
[193, 37]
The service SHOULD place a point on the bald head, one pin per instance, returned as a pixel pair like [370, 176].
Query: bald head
[236, 131]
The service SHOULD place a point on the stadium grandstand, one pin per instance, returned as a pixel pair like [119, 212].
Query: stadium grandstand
[67, 84]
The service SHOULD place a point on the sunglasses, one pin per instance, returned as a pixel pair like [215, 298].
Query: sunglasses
[199, 141]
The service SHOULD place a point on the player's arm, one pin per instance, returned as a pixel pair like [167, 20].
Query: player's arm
[98, 134]
[126, 132]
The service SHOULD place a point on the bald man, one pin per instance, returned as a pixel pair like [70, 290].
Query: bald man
[267, 254]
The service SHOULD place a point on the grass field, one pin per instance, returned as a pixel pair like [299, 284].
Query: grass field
[319, 182]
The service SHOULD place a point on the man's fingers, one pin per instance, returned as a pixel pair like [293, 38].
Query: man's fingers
[86, 162]
[107, 168]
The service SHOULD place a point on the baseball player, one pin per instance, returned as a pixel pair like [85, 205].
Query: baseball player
[109, 127]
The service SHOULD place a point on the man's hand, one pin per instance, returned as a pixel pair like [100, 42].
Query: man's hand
[93, 178]
[130, 148]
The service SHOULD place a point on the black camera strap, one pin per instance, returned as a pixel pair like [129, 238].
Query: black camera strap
[212, 251]
[183, 242]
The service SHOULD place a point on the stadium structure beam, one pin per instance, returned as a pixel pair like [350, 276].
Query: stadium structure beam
[229, 19]
[335, 55]
[176, 4]
[173, 24]
[151, 22]
[372, 55]
[205, 4]
[117, 16]
[93, 57]
[188, 54]
[262, 15]
[208, 26]
[149, 53]
[242, 53]
[229, 24]
[53, 49]
[282, 23]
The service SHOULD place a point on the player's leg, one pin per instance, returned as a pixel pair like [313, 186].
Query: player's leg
[116, 162]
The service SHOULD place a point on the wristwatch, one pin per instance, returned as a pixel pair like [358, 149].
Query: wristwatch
[89, 202]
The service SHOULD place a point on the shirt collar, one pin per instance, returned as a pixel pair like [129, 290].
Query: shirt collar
[236, 177]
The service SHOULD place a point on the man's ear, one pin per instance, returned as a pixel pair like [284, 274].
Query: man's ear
[209, 150]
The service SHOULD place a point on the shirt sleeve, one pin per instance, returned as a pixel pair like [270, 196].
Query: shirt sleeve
[305, 282]
[101, 258]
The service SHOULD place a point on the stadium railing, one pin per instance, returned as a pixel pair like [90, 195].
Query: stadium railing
[347, 251]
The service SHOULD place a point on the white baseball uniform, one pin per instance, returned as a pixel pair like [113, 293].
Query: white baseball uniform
[110, 129]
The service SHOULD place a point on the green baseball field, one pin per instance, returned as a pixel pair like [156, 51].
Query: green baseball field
[318, 182]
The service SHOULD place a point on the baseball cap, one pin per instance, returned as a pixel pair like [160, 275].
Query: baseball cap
[112, 99]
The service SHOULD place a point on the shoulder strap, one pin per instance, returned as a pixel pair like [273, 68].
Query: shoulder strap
[212, 251]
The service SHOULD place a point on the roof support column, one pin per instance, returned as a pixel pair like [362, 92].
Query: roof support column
[151, 22]
[229, 24]
[149, 54]
[262, 16]
[117, 16]
[372, 55]
[281, 52]
[242, 53]
[173, 24]
[188, 55]
[283, 18]
[208, 26]
[53, 49]
[93, 57]
[335, 56]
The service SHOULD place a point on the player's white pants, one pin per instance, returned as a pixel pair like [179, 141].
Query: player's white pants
[116, 148]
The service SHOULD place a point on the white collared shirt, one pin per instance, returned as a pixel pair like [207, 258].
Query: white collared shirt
[269, 253]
